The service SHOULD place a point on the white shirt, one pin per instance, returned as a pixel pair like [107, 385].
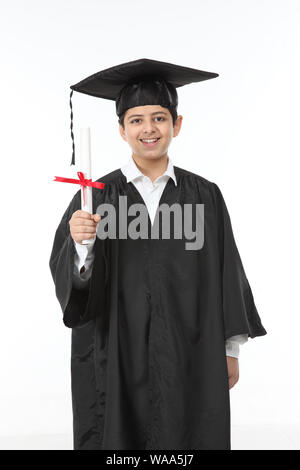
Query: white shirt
[151, 193]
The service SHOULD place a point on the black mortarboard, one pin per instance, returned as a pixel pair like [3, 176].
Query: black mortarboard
[138, 83]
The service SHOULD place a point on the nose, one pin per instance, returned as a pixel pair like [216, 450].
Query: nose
[148, 126]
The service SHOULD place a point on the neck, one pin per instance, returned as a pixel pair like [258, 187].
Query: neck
[153, 168]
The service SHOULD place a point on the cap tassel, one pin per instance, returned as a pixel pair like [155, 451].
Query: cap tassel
[72, 135]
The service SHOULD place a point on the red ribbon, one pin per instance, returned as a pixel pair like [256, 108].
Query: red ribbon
[82, 181]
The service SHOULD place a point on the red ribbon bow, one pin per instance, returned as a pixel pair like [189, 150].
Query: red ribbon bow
[82, 181]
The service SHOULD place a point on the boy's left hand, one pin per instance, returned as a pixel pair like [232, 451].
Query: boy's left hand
[233, 370]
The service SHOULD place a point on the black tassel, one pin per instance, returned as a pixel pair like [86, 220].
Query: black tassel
[72, 135]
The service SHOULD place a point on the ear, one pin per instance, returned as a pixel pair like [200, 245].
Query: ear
[122, 132]
[177, 125]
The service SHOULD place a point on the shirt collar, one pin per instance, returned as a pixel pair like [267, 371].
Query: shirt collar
[131, 171]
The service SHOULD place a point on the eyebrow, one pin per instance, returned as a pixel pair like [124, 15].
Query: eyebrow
[139, 115]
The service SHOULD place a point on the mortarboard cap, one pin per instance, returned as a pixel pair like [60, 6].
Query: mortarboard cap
[138, 83]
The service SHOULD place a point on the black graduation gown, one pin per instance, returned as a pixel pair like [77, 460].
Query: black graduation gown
[148, 359]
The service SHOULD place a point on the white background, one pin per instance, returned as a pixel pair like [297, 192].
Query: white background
[240, 130]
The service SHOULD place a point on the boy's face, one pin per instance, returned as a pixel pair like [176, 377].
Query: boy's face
[149, 122]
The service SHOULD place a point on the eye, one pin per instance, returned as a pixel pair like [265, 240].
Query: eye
[157, 117]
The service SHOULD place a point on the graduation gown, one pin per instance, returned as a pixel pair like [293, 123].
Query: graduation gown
[148, 360]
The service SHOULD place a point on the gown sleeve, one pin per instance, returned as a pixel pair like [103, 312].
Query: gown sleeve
[74, 302]
[239, 310]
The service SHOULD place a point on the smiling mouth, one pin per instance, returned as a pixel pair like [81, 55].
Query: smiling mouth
[150, 142]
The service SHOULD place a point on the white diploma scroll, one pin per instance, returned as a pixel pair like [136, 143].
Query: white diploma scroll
[86, 169]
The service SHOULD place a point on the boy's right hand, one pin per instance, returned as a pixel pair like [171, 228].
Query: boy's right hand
[83, 225]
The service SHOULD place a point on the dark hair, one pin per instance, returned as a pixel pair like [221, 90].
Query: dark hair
[172, 110]
[147, 90]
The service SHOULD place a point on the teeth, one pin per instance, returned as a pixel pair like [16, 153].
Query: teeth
[149, 140]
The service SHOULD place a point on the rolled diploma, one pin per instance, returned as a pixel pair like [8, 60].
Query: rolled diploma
[85, 167]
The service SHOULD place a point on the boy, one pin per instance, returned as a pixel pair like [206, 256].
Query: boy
[155, 326]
